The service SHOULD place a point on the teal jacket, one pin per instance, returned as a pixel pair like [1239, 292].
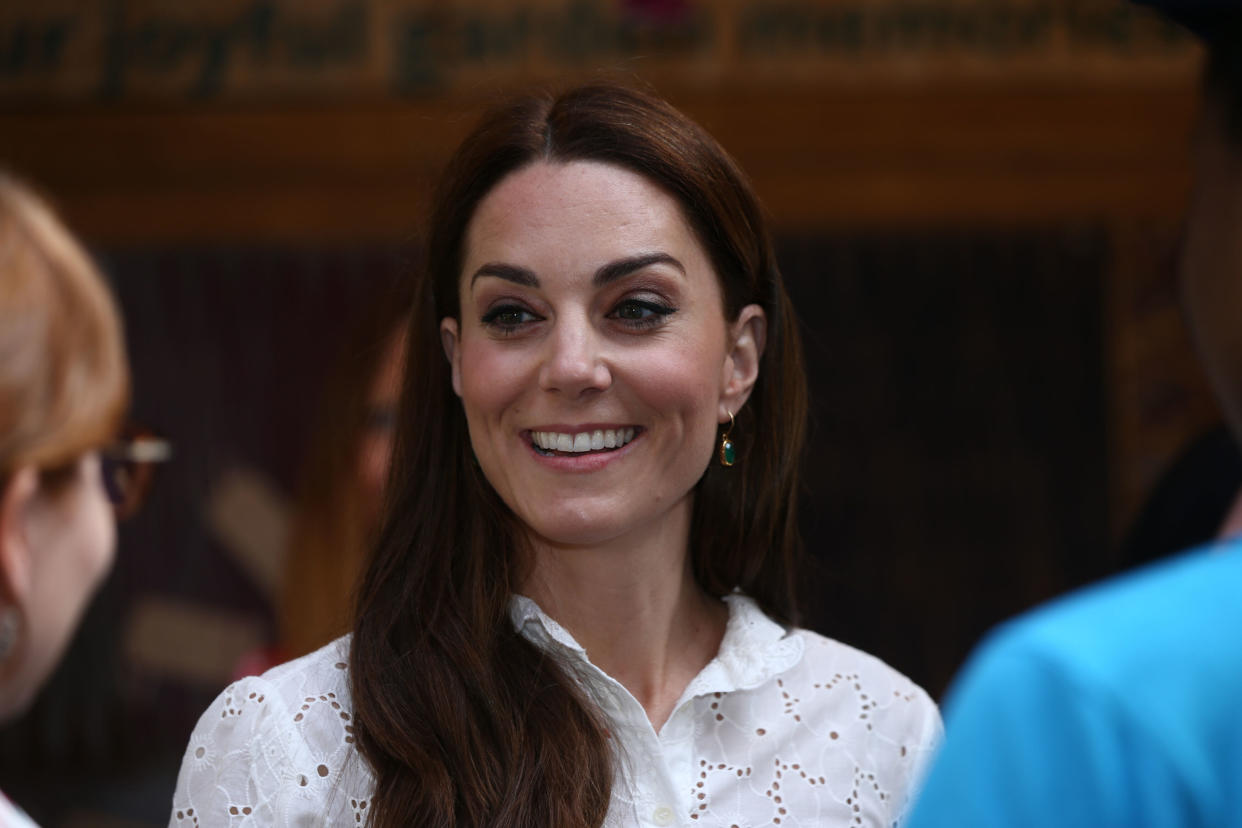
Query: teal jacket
[1120, 705]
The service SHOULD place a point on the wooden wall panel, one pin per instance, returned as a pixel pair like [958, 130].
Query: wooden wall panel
[894, 157]
[819, 159]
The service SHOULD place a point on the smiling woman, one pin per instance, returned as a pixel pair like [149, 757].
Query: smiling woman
[573, 615]
[591, 309]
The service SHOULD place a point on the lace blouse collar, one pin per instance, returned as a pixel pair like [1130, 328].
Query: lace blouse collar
[754, 649]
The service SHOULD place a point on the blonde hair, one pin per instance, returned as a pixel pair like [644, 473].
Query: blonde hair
[64, 381]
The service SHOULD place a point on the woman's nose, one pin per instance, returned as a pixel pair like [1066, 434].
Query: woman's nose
[575, 362]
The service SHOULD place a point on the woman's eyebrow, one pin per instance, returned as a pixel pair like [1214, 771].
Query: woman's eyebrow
[511, 273]
[608, 273]
[624, 267]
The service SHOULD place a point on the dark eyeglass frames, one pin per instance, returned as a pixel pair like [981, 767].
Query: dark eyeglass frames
[128, 464]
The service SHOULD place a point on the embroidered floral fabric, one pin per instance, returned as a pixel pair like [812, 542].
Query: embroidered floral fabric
[782, 728]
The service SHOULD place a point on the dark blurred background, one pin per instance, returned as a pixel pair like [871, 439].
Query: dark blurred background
[976, 203]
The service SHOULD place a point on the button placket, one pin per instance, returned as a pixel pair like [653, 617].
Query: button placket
[677, 739]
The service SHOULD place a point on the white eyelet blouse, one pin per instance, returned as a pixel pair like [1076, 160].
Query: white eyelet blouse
[783, 727]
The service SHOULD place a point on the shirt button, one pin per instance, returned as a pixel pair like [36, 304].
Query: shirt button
[662, 815]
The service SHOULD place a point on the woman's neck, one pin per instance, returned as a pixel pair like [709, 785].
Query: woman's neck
[636, 609]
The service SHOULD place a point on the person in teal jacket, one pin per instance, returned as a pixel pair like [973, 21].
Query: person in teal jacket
[1121, 705]
[1117, 706]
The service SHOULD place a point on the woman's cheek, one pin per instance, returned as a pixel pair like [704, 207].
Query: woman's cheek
[491, 376]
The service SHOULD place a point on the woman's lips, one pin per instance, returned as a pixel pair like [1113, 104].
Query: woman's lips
[590, 460]
[556, 443]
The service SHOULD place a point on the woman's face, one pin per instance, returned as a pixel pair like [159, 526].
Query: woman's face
[70, 535]
[375, 445]
[593, 358]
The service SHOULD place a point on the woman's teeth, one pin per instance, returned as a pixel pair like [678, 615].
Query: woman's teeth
[584, 441]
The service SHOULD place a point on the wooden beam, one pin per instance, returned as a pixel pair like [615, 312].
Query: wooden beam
[361, 171]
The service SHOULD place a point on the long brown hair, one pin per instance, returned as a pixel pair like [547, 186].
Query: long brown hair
[463, 721]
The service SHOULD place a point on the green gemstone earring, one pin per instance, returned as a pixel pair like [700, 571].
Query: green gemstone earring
[728, 453]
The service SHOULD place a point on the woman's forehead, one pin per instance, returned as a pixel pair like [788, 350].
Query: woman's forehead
[579, 207]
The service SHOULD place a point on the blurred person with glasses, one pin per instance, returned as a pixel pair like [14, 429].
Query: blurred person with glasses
[64, 478]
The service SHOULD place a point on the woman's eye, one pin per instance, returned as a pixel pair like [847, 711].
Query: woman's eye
[507, 317]
[640, 313]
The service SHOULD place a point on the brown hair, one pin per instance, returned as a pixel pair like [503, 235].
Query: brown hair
[463, 721]
[64, 384]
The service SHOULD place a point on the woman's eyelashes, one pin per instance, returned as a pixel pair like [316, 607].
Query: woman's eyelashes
[633, 314]
[507, 319]
[640, 314]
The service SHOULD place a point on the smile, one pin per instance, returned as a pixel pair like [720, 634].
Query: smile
[558, 443]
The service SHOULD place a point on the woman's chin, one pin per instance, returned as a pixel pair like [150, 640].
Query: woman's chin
[591, 523]
[585, 538]
[576, 529]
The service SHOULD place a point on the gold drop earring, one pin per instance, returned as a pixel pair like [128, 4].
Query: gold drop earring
[728, 455]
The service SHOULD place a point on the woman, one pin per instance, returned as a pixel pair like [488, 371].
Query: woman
[64, 386]
[601, 423]
[341, 485]
[340, 504]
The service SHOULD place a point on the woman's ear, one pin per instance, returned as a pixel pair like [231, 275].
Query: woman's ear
[747, 337]
[15, 553]
[450, 340]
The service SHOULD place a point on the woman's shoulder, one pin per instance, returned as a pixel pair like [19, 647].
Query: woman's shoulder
[886, 701]
[304, 701]
[320, 673]
[300, 687]
[834, 707]
[276, 744]
[826, 657]
[836, 680]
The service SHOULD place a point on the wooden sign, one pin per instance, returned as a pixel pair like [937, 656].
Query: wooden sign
[238, 49]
